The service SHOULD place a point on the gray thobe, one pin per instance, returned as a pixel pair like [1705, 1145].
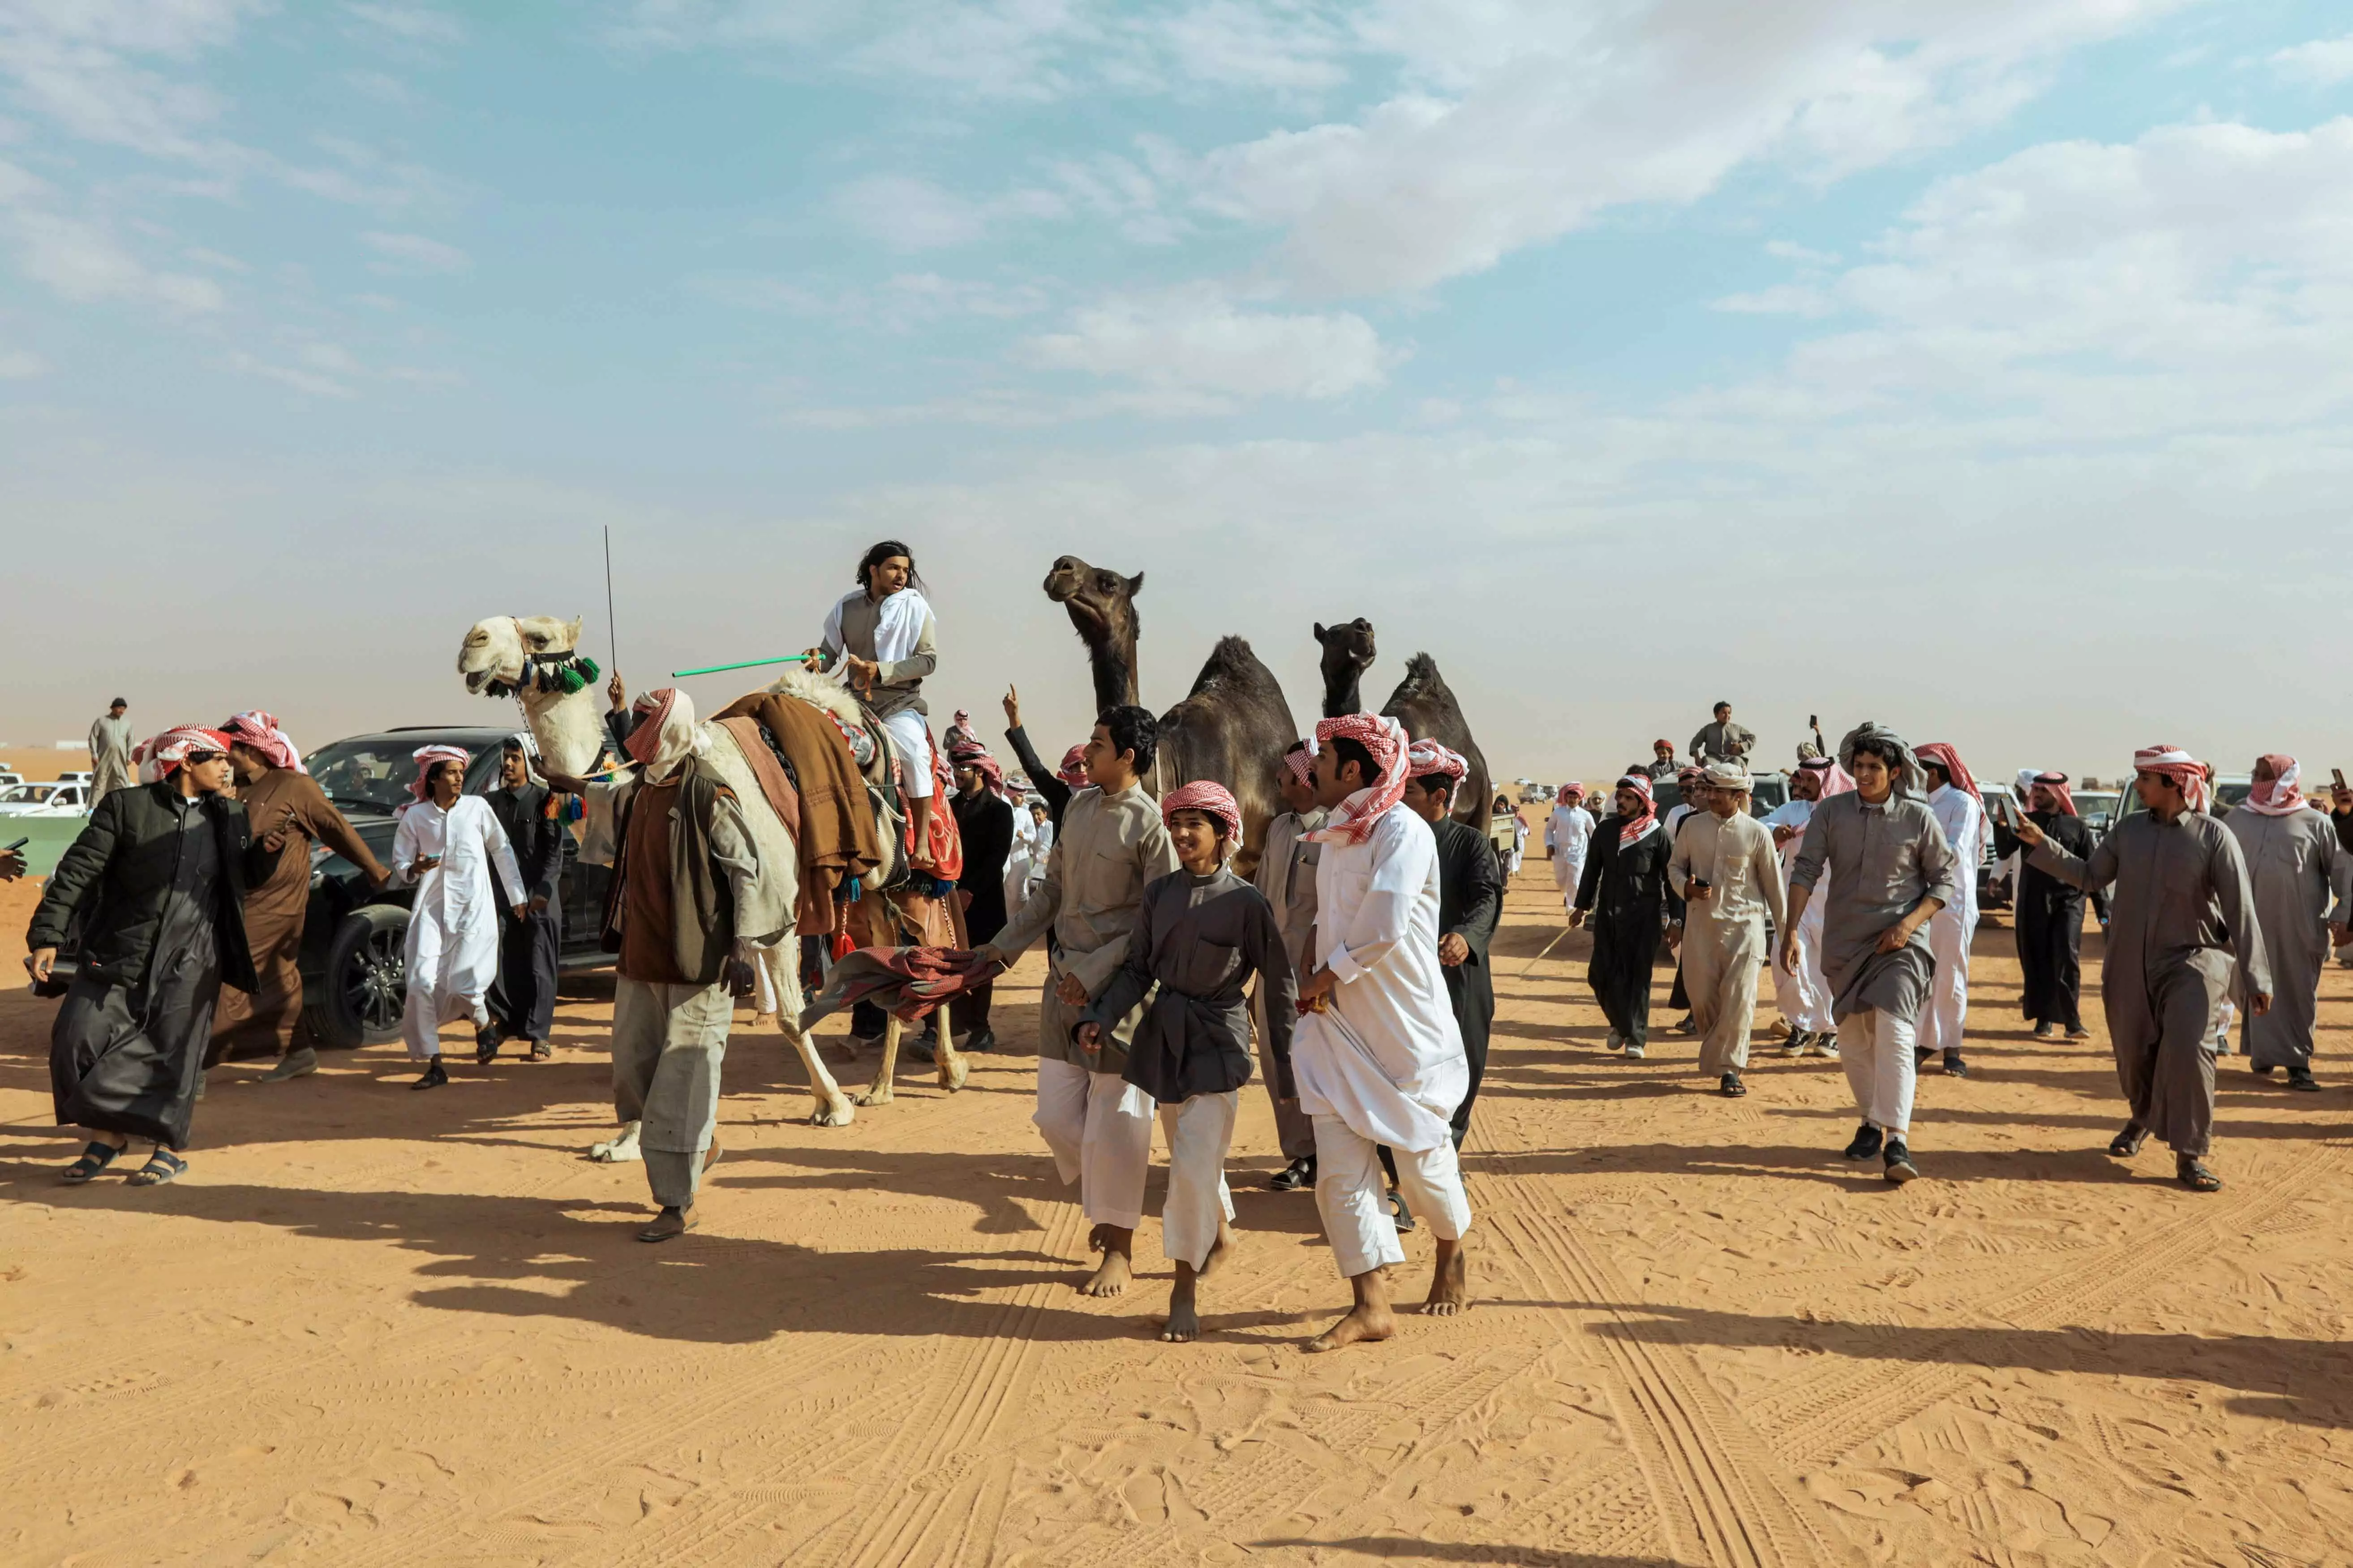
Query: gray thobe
[2183, 903]
[1884, 859]
[109, 756]
[1110, 849]
[1286, 875]
[2303, 882]
[1724, 933]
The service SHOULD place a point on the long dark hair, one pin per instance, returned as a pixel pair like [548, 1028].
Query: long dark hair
[878, 553]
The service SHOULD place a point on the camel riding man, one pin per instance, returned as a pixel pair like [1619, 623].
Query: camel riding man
[881, 637]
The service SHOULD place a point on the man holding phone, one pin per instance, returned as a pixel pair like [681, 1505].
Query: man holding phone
[12, 861]
[1724, 866]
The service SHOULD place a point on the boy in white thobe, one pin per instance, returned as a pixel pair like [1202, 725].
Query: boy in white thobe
[1568, 831]
[1379, 1059]
[447, 845]
[1953, 796]
[1800, 992]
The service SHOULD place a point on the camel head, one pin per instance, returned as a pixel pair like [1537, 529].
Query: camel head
[1100, 602]
[1348, 654]
[494, 650]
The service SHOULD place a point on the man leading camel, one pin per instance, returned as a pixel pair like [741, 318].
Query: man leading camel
[281, 800]
[1111, 846]
[1378, 1058]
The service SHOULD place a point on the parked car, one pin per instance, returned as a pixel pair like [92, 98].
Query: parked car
[10, 777]
[354, 939]
[1766, 793]
[50, 798]
[82, 776]
[2230, 790]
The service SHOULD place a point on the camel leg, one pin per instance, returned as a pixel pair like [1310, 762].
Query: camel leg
[833, 1107]
[879, 1091]
[953, 1067]
[618, 1150]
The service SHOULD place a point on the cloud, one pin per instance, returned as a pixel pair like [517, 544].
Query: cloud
[414, 254]
[78, 261]
[21, 364]
[409, 24]
[899, 303]
[1197, 340]
[905, 212]
[309, 382]
[2324, 62]
[77, 64]
[1521, 120]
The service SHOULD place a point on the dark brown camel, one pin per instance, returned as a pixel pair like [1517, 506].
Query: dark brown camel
[1421, 702]
[1234, 725]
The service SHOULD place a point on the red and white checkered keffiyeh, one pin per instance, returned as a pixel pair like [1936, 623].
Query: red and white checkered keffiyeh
[426, 759]
[1302, 763]
[1210, 797]
[1941, 753]
[1426, 757]
[1073, 771]
[2279, 796]
[1383, 740]
[158, 758]
[968, 752]
[260, 730]
[2181, 767]
[1572, 791]
[1633, 828]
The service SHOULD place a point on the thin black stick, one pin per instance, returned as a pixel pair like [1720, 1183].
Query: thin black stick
[612, 631]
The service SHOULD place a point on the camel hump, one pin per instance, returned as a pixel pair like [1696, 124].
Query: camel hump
[1232, 663]
[1422, 683]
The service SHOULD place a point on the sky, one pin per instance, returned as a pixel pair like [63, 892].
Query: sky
[1982, 367]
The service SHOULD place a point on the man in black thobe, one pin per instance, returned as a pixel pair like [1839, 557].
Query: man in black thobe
[1624, 890]
[1470, 902]
[522, 1000]
[2050, 913]
[985, 822]
[157, 881]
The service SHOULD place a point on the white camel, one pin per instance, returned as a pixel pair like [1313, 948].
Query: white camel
[536, 659]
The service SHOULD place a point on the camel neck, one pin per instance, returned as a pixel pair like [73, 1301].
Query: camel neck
[1115, 675]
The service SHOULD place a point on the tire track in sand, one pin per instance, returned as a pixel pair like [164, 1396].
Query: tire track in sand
[1718, 1492]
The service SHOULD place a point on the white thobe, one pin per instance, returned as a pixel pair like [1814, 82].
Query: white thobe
[453, 926]
[1951, 929]
[1567, 832]
[1384, 1065]
[1802, 995]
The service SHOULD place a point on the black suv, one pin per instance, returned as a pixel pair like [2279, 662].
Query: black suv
[353, 941]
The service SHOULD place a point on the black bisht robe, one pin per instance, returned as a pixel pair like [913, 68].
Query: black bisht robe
[522, 1000]
[1470, 902]
[2049, 916]
[1625, 889]
[1199, 942]
[985, 823]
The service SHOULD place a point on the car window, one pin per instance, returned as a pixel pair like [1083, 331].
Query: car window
[377, 773]
[27, 794]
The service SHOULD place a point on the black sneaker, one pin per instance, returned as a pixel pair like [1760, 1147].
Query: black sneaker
[984, 1040]
[1300, 1172]
[1900, 1168]
[1954, 1065]
[1866, 1144]
[2301, 1077]
[436, 1075]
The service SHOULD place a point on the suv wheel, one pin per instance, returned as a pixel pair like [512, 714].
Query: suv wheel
[366, 980]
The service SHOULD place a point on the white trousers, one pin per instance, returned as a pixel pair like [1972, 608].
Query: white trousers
[1099, 1127]
[1949, 930]
[1352, 1194]
[1876, 1050]
[1200, 1130]
[1804, 996]
[1565, 874]
[911, 739]
[422, 1013]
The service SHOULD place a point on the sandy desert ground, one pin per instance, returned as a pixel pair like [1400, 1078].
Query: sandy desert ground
[377, 1327]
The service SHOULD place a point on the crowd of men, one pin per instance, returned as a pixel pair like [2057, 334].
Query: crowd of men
[1350, 973]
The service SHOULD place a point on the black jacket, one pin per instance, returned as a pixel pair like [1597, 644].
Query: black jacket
[1625, 886]
[114, 880]
[1050, 789]
[1470, 887]
[984, 822]
[538, 839]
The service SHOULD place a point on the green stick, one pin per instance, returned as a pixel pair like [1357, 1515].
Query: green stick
[747, 664]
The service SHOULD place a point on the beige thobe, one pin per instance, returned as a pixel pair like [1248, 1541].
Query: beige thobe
[1724, 933]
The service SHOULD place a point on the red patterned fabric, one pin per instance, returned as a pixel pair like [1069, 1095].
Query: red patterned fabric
[2279, 795]
[1206, 795]
[1426, 757]
[1383, 740]
[1572, 790]
[2181, 767]
[968, 752]
[1302, 763]
[427, 758]
[1073, 771]
[1633, 828]
[1942, 754]
[2063, 798]
[260, 730]
[157, 759]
